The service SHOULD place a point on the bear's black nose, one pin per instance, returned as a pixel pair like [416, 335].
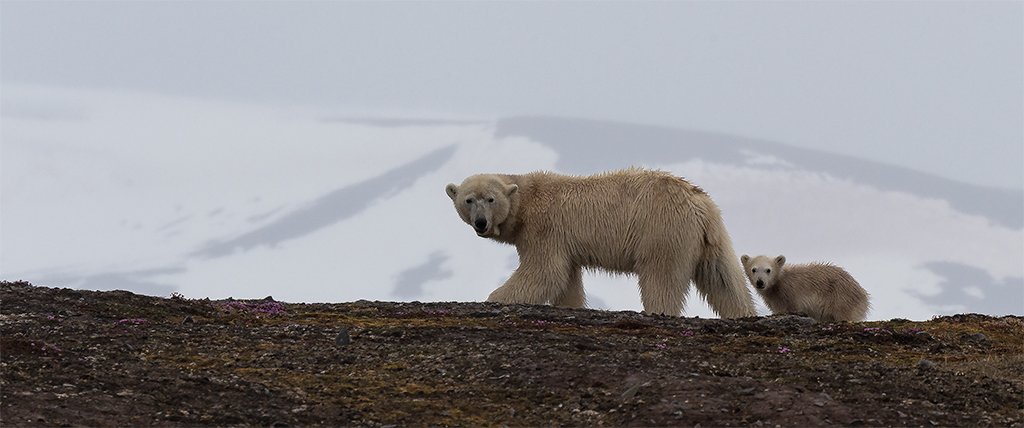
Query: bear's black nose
[760, 284]
[480, 224]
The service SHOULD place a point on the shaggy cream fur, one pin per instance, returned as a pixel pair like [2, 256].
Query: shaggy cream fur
[651, 223]
[823, 291]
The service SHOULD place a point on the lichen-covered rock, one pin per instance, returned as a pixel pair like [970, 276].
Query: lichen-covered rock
[66, 358]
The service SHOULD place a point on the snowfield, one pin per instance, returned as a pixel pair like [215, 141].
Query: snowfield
[159, 194]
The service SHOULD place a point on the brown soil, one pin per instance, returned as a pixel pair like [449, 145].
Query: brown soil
[72, 357]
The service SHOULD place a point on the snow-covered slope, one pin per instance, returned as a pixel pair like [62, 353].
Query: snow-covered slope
[158, 194]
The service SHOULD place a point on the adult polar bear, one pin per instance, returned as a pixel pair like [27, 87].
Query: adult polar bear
[651, 223]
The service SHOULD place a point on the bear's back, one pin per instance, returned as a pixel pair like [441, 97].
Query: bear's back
[620, 185]
[613, 219]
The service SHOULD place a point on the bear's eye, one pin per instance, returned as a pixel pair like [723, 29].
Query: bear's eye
[490, 200]
[469, 201]
[754, 270]
[767, 271]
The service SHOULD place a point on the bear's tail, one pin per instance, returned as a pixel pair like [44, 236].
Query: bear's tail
[719, 276]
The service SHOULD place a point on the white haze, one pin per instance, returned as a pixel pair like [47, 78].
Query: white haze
[932, 85]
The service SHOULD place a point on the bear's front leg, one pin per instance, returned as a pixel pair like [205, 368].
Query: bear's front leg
[537, 281]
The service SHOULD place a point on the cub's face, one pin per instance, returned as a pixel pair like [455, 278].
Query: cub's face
[762, 270]
[483, 202]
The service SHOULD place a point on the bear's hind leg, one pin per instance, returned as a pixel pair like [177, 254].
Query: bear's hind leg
[720, 281]
[663, 289]
[573, 296]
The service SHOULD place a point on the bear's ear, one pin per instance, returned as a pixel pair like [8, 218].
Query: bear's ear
[744, 259]
[779, 261]
[452, 190]
[510, 189]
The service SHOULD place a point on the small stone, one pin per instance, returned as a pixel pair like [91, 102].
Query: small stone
[976, 337]
[343, 338]
[630, 392]
[926, 364]
[269, 298]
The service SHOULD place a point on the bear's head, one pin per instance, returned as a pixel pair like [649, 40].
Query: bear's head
[763, 271]
[484, 202]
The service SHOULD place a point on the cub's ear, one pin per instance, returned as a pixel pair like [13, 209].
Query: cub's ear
[780, 260]
[452, 190]
[511, 188]
[744, 259]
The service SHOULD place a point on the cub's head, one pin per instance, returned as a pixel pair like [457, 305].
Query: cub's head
[763, 271]
[484, 202]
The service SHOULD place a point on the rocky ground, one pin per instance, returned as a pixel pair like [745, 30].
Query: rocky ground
[71, 357]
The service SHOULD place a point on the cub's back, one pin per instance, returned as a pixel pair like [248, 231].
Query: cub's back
[829, 289]
[816, 274]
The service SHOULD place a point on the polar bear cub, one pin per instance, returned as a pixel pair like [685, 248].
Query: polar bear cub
[823, 291]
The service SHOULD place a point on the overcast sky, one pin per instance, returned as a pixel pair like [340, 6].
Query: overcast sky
[936, 86]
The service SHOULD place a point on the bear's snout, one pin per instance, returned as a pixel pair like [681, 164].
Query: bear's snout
[760, 285]
[480, 224]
